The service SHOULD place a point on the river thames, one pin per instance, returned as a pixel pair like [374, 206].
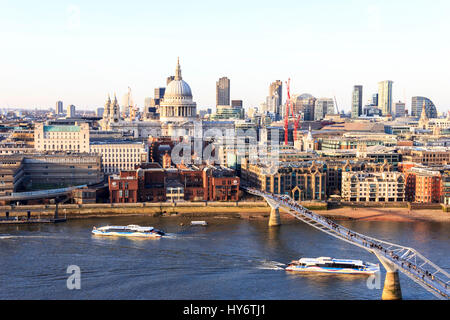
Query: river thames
[229, 259]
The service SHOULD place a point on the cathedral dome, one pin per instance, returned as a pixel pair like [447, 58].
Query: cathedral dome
[177, 104]
[178, 89]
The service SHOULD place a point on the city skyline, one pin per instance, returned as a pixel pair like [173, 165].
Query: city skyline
[81, 53]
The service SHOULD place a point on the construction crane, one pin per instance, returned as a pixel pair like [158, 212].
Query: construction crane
[335, 102]
[286, 117]
[286, 120]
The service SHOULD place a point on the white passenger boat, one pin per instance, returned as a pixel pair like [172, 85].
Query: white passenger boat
[199, 223]
[131, 230]
[329, 265]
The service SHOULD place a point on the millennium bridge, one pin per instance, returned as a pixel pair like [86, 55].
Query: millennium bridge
[41, 194]
[393, 257]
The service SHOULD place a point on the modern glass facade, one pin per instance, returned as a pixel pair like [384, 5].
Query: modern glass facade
[357, 101]
[417, 106]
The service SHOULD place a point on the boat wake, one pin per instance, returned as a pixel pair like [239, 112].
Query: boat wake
[270, 265]
[10, 236]
[169, 236]
[6, 236]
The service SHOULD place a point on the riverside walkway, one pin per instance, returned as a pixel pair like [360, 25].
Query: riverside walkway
[393, 257]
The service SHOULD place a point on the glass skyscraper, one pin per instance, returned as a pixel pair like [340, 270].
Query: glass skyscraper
[357, 101]
[223, 92]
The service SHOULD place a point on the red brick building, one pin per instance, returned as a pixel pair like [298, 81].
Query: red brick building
[152, 183]
[123, 188]
[423, 185]
[220, 184]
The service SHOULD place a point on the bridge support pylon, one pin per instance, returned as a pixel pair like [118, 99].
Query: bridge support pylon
[391, 289]
[274, 219]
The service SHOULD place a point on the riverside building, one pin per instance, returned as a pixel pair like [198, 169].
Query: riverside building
[373, 186]
[120, 154]
[48, 171]
[152, 183]
[301, 180]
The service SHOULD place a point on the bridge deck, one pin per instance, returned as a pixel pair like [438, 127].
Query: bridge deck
[407, 260]
[41, 194]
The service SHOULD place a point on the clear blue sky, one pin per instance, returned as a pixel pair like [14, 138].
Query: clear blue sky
[79, 51]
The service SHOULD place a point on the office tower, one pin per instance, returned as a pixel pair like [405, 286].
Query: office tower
[322, 107]
[304, 105]
[223, 92]
[272, 104]
[399, 109]
[275, 98]
[357, 102]
[417, 105]
[71, 111]
[385, 97]
[155, 102]
[59, 107]
[375, 100]
[236, 103]
[159, 93]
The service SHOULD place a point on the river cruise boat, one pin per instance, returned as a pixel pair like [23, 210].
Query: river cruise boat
[131, 230]
[329, 265]
[199, 223]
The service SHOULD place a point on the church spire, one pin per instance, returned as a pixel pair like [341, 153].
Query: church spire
[423, 121]
[178, 70]
[424, 112]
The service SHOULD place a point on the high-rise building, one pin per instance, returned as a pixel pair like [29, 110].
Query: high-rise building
[159, 93]
[322, 107]
[223, 92]
[375, 99]
[71, 111]
[417, 105]
[275, 98]
[357, 101]
[399, 109]
[303, 105]
[385, 97]
[59, 107]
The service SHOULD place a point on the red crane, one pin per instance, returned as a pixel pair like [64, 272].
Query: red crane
[286, 119]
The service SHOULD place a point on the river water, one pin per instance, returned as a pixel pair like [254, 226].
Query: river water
[228, 259]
